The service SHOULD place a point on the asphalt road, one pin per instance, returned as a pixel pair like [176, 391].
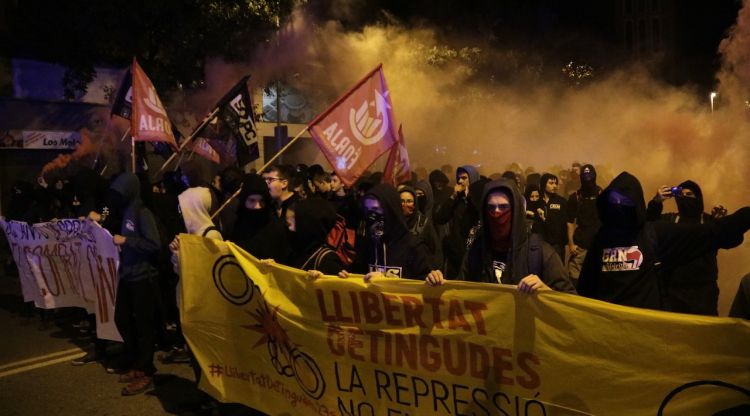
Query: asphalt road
[36, 377]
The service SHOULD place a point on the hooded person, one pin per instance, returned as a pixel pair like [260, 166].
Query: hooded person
[460, 216]
[534, 208]
[89, 191]
[418, 222]
[693, 286]
[137, 297]
[254, 210]
[195, 207]
[503, 250]
[555, 230]
[388, 248]
[629, 258]
[583, 220]
[310, 221]
[439, 183]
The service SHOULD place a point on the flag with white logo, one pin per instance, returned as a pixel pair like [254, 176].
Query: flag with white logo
[397, 168]
[232, 121]
[358, 128]
[149, 121]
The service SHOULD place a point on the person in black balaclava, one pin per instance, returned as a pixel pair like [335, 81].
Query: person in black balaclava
[89, 191]
[583, 220]
[629, 258]
[503, 250]
[693, 286]
[22, 206]
[439, 182]
[534, 208]
[460, 215]
[388, 249]
[253, 212]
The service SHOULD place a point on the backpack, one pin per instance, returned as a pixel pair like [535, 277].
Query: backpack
[317, 258]
[341, 240]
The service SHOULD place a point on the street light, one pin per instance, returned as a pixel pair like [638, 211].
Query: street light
[712, 96]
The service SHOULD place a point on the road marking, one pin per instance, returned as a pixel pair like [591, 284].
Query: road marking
[68, 354]
[42, 364]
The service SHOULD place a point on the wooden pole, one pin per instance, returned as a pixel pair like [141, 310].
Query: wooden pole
[132, 147]
[184, 143]
[122, 139]
[276, 156]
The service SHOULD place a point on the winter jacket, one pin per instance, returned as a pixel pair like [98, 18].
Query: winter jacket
[629, 257]
[142, 243]
[480, 263]
[398, 252]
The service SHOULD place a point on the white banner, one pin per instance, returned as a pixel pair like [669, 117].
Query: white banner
[67, 263]
[50, 139]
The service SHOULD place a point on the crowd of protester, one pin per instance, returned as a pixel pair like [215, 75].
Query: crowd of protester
[537, 231]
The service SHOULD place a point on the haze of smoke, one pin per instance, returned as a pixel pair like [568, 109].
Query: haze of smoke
[625, 120]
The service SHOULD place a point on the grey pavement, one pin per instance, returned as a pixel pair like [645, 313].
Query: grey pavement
[36, 377]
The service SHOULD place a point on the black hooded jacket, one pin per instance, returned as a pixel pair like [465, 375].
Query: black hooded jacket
[398, 252]
[478, 263]
[314, 219]
[139, 228]
[691, 287]
[251, 221]
[555, 229]
[582, 209]
[629, 258]
[460, 215]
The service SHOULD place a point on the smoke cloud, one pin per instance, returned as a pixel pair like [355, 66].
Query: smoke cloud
[622, 120]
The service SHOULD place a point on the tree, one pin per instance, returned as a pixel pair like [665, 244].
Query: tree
[171, 38]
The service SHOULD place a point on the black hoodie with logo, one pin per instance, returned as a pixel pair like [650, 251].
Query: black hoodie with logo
[398, 253]
[481, 264]
[629, 257]
[142, 241]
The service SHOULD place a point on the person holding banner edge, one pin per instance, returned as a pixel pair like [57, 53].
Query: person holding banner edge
[503, 250]
[388, 249]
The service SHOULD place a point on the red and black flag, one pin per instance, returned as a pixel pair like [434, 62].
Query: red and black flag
[232, 121]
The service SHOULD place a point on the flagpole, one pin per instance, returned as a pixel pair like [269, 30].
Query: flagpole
[132, 153]
[184, 143]
[266, 165]
[122, 139]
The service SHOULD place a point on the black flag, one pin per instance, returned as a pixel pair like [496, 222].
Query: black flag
[234, 120]
[123, 105]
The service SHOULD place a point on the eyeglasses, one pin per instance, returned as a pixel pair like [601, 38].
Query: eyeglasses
[500, 207]
[271, 179]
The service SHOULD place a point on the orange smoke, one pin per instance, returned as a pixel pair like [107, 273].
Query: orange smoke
[86, 149]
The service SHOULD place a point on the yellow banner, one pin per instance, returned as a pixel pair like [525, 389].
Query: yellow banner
[268, 337]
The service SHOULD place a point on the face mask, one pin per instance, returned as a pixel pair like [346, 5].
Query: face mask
[621, 216]
[689, 207]
[499, 227]
[376, 224]
[422, 202]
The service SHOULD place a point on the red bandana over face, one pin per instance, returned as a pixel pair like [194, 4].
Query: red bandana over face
[498, 225]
